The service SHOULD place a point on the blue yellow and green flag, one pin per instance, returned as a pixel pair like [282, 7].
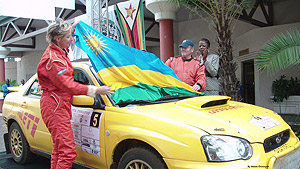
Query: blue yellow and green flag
[134, 74]
[130, 15]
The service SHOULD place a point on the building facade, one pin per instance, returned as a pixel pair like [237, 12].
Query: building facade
[248, 39]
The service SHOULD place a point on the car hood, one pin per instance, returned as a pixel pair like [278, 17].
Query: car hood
[218, 115]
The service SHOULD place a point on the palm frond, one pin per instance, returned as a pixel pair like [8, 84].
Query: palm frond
[281, 52]
[214, 9]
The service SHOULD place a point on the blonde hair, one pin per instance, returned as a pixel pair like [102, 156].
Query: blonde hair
[57, 29]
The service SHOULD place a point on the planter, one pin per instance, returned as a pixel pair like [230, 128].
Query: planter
[289, 110]
[290, 106]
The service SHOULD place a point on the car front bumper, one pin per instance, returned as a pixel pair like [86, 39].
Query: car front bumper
[289, 158]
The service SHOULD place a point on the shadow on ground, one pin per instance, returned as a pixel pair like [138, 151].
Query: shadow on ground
[7, 162]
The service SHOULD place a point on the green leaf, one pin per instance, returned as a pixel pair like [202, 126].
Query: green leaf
[281, 52]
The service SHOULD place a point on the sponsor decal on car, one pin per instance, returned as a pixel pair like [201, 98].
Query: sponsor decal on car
[264, 122]
[224, 109]
[28, 120]
[282, 148]
[86, 129]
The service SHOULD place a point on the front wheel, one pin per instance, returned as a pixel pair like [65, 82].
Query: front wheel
[141, 158]
[18, 145]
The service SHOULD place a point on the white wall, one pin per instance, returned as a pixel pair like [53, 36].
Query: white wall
[255, 39]
[28, 65]
[11, 70]
[30, 58]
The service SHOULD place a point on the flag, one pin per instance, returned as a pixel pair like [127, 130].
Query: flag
[131, 19]
[134, 74]
[115, 32]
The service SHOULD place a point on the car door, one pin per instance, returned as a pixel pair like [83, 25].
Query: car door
[28, 112]
[88, 125]
[37, 133]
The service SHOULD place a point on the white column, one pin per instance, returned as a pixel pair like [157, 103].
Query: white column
[164, 12]
[162, 9]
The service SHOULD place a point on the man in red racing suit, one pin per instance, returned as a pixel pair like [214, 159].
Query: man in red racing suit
[55, 75]
[187, 69]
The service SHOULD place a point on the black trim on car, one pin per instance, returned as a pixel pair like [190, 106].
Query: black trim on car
[215, 103]
[48, 155]
[276, 140]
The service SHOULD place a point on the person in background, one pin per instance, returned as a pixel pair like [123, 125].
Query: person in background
[5, 88]
[188, 69]
[55, 75]
[22, 82]
[211, 62]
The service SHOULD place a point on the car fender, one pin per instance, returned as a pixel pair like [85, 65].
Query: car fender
[166, 142]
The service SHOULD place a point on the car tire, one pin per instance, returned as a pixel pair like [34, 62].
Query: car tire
[18, 144]
[140, 157]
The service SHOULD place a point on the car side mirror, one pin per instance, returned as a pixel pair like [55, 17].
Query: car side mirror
[82, 100]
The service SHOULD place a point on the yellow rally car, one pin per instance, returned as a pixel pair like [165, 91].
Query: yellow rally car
[177, 133]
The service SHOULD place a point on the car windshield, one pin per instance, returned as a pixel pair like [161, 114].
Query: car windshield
[164, 99]
[143, 94]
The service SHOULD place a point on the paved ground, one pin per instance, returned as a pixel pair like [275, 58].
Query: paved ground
[2, 131]
[6, 160]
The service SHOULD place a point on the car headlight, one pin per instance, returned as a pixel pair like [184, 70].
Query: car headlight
[226, 148]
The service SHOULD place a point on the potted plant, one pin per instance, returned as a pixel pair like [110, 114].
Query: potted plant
[282, 88]
[280, 53]
[286, 100]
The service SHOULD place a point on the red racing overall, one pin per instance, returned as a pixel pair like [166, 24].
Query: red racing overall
[55, 75]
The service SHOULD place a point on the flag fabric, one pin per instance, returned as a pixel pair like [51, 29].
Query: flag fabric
[134, 74]
[131, 19]
[115, 31]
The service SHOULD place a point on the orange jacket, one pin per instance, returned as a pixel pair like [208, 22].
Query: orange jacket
[189, 71]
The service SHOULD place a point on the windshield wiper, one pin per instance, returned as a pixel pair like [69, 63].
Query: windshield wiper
[141, 102]
[169, 97]
[160, 100]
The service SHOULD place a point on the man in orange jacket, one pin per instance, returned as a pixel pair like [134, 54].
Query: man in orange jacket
[187, 69]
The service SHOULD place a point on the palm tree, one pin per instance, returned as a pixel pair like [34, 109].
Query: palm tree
[221, 14]
[281, 52]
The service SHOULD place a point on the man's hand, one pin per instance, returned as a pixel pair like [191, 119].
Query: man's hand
[196, 87]
[103, 90]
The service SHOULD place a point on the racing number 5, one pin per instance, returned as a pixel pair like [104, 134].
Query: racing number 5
[95, 119]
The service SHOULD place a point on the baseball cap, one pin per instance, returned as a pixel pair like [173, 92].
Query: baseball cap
[186, 43]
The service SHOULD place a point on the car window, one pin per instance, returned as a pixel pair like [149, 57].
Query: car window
[80, 77]
[35, 89]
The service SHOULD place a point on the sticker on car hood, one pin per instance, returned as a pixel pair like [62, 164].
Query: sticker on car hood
[264, 122]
